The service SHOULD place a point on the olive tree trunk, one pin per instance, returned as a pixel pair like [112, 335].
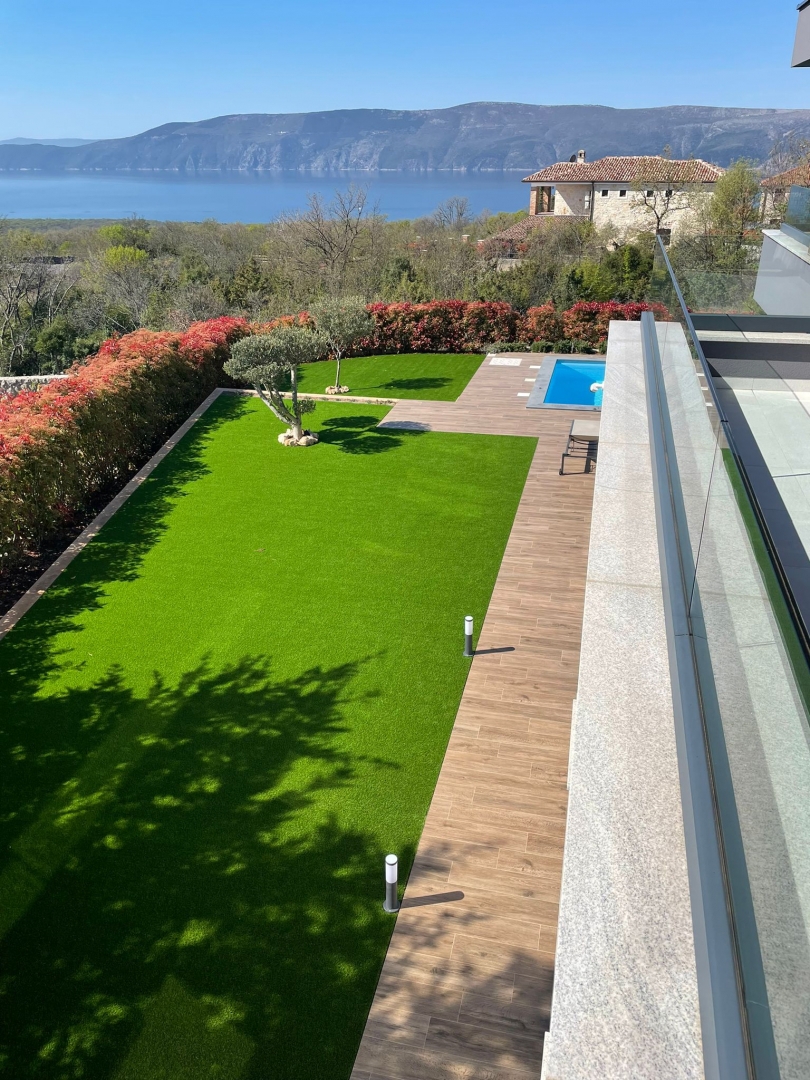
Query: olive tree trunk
[296, 427]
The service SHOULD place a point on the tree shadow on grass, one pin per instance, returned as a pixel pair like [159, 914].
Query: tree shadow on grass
[361, 435]
[187, 905]
[427, 383]
[37, 754]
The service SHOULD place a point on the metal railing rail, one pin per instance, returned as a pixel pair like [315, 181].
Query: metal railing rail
[723, 1027]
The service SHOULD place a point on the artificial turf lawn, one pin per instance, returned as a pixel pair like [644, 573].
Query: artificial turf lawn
[220, 718]
[435, 376]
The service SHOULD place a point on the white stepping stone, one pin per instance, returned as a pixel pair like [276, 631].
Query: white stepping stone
[524, 395]
[504, 361]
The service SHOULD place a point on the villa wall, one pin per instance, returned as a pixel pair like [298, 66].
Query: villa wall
[572, 199]
[628, 215]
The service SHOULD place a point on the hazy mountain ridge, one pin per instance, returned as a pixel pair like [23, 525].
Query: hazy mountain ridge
[477, 136]
[44, 142]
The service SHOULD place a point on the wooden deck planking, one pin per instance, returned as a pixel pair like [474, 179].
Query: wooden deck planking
[465, 990]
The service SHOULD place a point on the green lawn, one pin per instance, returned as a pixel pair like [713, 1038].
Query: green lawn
[435, 376]
[217, 722]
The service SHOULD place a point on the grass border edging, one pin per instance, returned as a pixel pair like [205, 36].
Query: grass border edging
[44, 581]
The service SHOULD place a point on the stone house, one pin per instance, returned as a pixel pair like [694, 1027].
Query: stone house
[776, 189]
[630, 193]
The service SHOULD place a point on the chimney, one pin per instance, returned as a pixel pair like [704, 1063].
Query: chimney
[580, 157]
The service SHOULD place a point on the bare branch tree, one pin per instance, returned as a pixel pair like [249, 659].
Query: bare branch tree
[452, 213]
[661, 193]
[331, 232]
[34, 286]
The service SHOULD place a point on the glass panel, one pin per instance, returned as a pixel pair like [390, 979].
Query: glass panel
[755, 684]
[798, 208]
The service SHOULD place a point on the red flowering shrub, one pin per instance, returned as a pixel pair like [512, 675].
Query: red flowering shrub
[75, 436]
[440, 326]
[589, 321]
[463, 326]
[542, 324]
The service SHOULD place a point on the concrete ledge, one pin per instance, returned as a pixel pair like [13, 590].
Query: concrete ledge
[625, 1000]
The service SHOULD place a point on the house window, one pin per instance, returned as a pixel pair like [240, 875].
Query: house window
[649, 193]
[622, 193]
[604, 193]
[668, 193]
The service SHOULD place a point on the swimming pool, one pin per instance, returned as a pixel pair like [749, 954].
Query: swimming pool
[571, 382]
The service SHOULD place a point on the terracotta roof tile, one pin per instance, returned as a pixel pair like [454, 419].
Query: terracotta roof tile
[627, 170]
[518, 232]
[798, 175]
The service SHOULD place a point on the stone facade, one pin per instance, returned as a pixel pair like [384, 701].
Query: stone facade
[609, 191]
[623, 207]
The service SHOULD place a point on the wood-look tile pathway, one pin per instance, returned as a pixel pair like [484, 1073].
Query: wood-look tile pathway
[466, 985]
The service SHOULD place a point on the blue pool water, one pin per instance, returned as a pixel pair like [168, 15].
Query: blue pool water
[571, 383]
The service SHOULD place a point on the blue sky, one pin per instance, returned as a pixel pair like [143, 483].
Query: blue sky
[98, 69]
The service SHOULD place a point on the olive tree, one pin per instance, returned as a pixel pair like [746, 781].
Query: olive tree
[267, 361]
[342, 322]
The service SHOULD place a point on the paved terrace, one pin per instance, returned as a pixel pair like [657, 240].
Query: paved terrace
[466, 986]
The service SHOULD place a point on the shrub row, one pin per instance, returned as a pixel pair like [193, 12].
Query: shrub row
[471, 326]
[462, 326]
[76, 436]
[585, 322]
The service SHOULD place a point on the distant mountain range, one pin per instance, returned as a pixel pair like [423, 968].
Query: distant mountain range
[483, 135]
[45, 142]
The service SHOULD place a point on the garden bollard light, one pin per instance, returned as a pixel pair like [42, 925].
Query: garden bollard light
[468, 633]
[391, 874]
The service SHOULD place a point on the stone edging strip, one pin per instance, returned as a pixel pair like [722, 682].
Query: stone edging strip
[28, 599]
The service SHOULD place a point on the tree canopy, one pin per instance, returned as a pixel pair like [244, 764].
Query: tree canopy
[268, 361]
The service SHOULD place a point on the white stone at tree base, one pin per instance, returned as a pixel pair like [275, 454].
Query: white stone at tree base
[309, 438]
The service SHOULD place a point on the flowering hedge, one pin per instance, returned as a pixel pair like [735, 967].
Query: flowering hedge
[440, 326]
[590, 321]
[76, 436]
[543, 324]
[470, 325]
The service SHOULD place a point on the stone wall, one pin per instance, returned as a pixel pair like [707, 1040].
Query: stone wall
[628, 215]
[13, 384]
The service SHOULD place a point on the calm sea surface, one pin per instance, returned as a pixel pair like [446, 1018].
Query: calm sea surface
[250, 198]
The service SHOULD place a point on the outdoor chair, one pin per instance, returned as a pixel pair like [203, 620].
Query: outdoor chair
[583, 442]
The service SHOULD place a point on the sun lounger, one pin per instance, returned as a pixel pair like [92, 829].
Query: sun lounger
[583, 442]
